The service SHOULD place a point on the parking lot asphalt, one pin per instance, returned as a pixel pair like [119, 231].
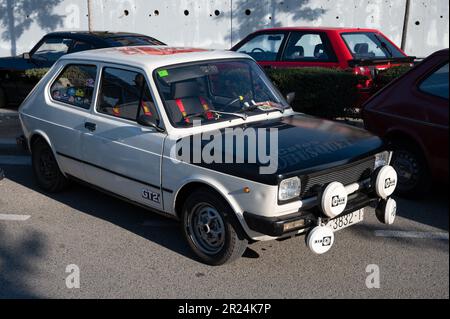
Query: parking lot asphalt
[123, 251]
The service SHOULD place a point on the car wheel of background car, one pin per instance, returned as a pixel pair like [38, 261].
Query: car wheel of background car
[413, 174]
[45, 168]
[209, 230]
[2, 99]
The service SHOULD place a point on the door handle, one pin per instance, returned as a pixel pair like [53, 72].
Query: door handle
[90, 126]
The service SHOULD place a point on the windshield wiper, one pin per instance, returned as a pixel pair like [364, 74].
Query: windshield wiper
[274, 106]
[242, 116]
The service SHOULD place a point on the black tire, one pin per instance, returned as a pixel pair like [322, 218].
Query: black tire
[45, 168]
[218, 250]
[414, 180]
[3, 103]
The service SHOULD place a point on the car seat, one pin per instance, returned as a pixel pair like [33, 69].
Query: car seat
[362, 49]
[319, 52]
[187, 100]
[295, 52]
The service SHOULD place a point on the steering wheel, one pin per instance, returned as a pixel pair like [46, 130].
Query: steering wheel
[258, 50]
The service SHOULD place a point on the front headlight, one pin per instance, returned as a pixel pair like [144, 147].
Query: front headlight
[382, 159]
[289, 189]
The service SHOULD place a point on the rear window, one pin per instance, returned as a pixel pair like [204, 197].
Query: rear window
[133, 41]
[437, 83]
[370, 45]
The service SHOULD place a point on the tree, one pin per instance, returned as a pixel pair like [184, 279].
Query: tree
[16, 16]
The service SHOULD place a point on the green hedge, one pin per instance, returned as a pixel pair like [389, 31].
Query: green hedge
[387, 76]
[36, 74]
[324, 92]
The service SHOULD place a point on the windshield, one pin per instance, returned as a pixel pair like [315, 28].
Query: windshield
[369, 45]
[215, 91]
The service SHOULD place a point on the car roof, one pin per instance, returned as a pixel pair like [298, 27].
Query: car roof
[152, 56]
[94, 34]
[335, 29]
[442, 52]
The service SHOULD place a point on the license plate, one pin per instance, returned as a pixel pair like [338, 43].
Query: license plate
[346, 220]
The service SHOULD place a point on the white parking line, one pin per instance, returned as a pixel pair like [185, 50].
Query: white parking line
[15, 160]
[411, 234]
[12, 217]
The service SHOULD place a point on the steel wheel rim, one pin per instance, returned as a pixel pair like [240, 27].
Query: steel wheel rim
[408, 169]
[206, 228]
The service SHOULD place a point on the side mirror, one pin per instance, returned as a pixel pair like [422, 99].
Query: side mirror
[290, 97]
[26, 56]
[147, 121]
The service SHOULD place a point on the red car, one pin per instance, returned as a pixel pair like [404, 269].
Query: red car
[412, 114]
[363, 50]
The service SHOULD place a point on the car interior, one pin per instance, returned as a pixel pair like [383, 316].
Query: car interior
[186, 99]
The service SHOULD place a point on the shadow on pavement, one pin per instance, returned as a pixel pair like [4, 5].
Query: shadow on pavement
[151, 226]
[17, 260]
[432, 210]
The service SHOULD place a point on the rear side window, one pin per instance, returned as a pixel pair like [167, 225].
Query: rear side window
[312, 47]
[263, 47]
[437, 83]
[125, 94]
[79, 46]
[75, 85]
[369, 45]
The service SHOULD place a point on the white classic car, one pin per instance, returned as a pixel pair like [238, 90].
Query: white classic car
[203, 137]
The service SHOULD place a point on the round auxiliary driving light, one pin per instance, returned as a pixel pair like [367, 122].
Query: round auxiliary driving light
[334, 199]
[320, 240]
[386, 211]
[385, 181]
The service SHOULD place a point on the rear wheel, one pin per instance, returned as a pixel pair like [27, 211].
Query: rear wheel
[45, 168]
[209, 230]
[414, 178]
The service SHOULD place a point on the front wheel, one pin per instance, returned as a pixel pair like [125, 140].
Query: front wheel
[209, 230]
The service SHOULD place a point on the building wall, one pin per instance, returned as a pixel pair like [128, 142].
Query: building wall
[221, 23]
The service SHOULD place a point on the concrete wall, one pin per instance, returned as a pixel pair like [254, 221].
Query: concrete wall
[221, 23]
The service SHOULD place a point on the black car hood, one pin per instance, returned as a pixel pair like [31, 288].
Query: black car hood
[305, 144]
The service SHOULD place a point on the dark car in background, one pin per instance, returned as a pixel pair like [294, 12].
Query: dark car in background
[364, 51]
[412, 114]
[15, 85]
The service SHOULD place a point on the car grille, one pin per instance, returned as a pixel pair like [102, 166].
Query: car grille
[347, 174]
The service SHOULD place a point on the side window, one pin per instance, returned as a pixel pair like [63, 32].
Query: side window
[125, 94]
[52, 49]
[75, 85]
[308, 47]
[263, 47]
[79, 46]
[437, 83]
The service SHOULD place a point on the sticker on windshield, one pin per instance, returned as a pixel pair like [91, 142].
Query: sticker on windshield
[163, 73]
[267, 106]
